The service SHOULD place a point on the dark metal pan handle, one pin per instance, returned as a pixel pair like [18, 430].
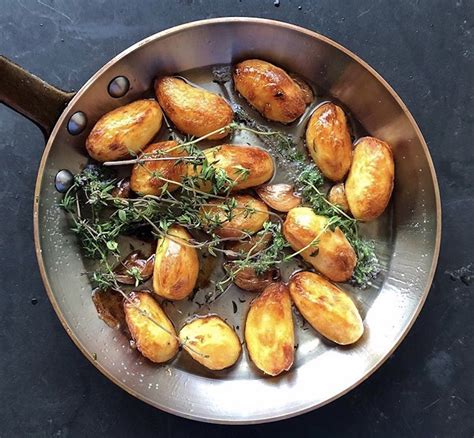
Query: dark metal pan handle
[31, 96]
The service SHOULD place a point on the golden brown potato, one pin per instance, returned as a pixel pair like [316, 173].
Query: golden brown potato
[331, 253]
[246, 166]
[127, 128]
[270, 90]
[248, 216]
[337, 196]
[193, 110]
[211, 342]
[269, 332]
[327, 308]
[370, 181]
[150, 328]
[280, 197]
[145, 179]
[176, 265]
[305, 88]
[329, 141]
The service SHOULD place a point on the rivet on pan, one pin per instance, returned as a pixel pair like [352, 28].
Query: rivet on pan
[77, 123]
[63, 180]
[119, 86]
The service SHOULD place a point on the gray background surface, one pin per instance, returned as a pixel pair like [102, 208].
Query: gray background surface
[423, 48]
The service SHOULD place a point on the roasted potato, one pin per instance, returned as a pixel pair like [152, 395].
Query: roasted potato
[145, 179]
[370, 181]
[337, 196]
[269, 332]
[280, 197]
[327, 308]
[176, 265]
[329, 141]
[305, 88]
[248, 216]
[270, 90]
[150, 328]
[126, 129]
[331, 253]
[246, 166]
[193, 110]
[211, 342]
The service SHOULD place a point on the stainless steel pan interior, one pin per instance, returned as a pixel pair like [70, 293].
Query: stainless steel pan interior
[407, 237]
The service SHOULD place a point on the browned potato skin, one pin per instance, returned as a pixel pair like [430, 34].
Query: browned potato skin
[329, 141]
[337, 196]
[176, 265]
[144, 183]
[334, 256]
[193, 110]
[157, 343]
[305, 88]
[370, 181]
[211, 342]
[270, 90]
[250, 222]
[258, 161]
[269, 332]
[127, 128]
[327, 308]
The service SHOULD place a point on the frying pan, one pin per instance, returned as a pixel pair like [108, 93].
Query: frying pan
[408, 237]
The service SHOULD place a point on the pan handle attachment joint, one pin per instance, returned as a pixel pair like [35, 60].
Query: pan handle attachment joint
[30, 96]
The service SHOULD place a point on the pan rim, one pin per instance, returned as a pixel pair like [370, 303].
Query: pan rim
[180, 28]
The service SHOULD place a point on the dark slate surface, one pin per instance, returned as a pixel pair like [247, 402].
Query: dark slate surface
[424, 48]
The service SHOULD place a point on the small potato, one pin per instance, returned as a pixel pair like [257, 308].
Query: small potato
[327, 308]
[248, 216]
[211, 342]
[152, 332]
[246, 166]
[269, 332]
[370, 181]
[194, 111]
[329, 141]
[305, 88]
[332, 255]
[270, 90]
[337, 196]
[145, 179]
[176, 265]
[126, 129]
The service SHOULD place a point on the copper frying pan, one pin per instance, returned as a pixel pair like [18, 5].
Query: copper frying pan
[409, 236]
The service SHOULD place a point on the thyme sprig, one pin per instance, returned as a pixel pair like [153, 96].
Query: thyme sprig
[99, 232]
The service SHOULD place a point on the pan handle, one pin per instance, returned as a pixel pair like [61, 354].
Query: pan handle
[31, 96]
